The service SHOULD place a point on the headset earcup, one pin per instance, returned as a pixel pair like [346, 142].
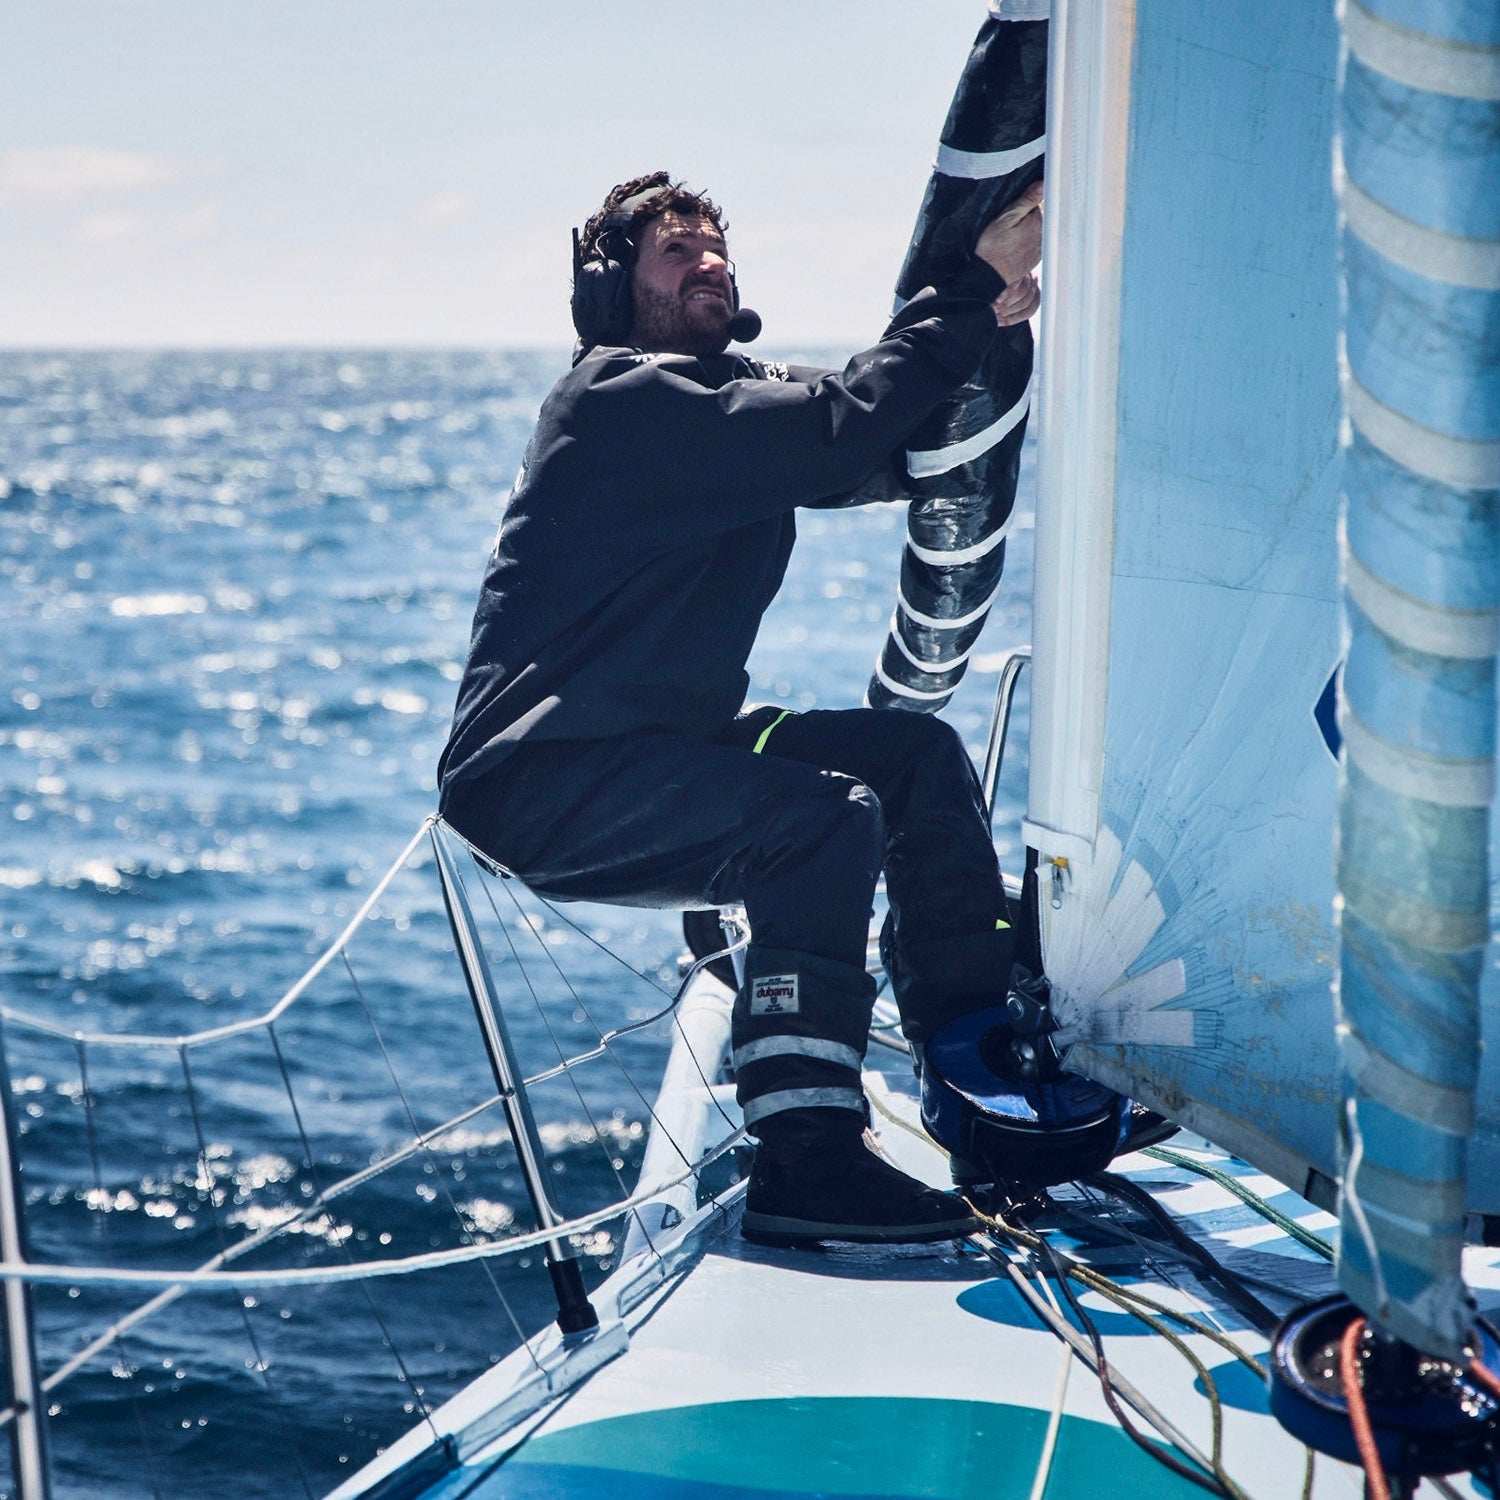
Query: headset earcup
[602, 308]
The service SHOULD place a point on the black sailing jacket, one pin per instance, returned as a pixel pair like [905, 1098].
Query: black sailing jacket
[651, 523]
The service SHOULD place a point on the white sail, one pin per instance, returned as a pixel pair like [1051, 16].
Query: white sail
[1183, 771]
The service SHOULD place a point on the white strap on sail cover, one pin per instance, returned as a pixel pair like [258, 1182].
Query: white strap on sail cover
[1451, 258]
[921, 695]
[1411, 773]
[936, 622]
[956, 557]
[1020, 10]
[980, 166]
[1464, 463]
[924, 463]
[1433, 629]
[1461, 70]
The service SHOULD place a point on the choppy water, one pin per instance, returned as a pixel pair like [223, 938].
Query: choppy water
[236, 594]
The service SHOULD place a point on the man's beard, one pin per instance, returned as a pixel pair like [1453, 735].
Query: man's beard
[662, 322]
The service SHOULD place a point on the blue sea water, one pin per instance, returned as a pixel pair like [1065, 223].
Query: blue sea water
[236, 596]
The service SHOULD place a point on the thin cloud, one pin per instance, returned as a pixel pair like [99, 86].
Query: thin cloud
[63, 176]
[440, 210]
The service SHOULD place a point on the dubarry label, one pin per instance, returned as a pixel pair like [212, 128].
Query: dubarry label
[773, 995]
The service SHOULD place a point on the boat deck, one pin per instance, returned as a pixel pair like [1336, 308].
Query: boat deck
[936, 1372]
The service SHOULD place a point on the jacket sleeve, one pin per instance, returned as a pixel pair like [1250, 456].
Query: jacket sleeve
[688, 458]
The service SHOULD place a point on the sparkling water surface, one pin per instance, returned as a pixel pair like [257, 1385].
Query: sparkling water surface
[236, 599]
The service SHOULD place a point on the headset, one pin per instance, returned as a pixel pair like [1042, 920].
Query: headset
[602, 306]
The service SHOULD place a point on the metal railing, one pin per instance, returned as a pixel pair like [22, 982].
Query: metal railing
[1005, 693]
[27, 1391]
[24, 1394]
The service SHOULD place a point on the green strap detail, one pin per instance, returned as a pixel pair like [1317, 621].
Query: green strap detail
[1001, 925]
[765, 733]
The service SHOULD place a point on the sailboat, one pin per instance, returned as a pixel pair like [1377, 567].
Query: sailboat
[1184, 786]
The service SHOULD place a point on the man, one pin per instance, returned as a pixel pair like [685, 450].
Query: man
[600, 749]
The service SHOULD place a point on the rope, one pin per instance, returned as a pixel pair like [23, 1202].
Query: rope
[1288, 1225]
[1376, 1487]
[1134, 1302]
[1217, 1480]
[235, 1028]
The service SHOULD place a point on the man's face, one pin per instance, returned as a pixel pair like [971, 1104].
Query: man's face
[680, 285]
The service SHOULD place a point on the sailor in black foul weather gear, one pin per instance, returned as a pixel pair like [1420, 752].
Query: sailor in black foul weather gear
[599, 750]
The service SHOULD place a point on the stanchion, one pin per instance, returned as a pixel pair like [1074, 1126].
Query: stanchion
[29, 1435]
[575, 1313]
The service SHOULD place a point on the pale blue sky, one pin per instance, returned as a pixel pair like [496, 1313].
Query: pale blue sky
[406, 171]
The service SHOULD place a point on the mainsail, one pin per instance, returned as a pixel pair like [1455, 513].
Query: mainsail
[1186, 639]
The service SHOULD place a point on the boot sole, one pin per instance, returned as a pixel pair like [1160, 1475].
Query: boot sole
[772, 1229]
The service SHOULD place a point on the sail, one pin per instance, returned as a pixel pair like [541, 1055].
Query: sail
[1183, 770]
[1419, 178]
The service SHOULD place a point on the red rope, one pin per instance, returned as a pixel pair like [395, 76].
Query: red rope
[1485, 1377]
[1359, 1416]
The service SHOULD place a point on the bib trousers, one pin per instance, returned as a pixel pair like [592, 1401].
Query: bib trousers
[794, 815]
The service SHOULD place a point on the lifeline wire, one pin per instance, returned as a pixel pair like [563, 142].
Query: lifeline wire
[234, 1028]
[262, 1364]
[312, 1172]
[398, 1265]
[465, 1225]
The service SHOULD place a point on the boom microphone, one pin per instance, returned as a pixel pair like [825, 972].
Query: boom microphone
[744, 326]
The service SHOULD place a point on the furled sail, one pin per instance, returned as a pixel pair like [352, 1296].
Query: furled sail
[1183, 771]
[1420, 192]
[964, 460]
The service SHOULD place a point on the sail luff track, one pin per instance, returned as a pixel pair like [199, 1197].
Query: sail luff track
[1088, 126]
[1418, 163]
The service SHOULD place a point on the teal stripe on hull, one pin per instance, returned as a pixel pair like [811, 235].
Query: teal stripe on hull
[853, 1448]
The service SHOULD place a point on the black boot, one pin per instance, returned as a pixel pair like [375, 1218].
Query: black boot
[814, 1178]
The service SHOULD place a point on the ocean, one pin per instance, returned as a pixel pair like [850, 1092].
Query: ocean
[236, 596]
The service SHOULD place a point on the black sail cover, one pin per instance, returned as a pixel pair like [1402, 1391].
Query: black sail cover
[963, 462]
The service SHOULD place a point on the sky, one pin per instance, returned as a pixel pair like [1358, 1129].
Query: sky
[367, 173]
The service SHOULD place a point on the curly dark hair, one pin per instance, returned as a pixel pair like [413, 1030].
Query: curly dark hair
[675, 198]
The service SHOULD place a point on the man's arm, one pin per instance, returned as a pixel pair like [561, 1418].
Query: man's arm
[688, 458]
[698, 459]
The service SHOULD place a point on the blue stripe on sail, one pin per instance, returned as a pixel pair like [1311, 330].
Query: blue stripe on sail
[1389, 1137]
[1467, 21]
[1430, 710]
[1453, 565]
[1411, 1014]
[1425, 349]
[1403, 139]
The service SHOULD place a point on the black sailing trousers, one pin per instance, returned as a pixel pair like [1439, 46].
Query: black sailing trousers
[794, 815]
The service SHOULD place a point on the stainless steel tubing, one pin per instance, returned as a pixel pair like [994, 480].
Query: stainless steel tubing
[29, 1434]
[1005, 693]
[575, 1313]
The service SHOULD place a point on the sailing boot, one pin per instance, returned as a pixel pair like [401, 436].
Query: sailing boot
[799, 1029]
[815, 1178]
